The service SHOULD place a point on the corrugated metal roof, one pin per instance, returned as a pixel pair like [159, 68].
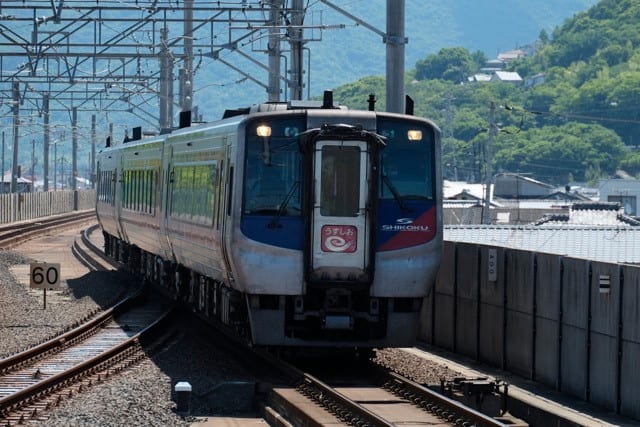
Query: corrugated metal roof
[606, 244]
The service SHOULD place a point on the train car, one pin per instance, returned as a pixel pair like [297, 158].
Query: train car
[296, 224]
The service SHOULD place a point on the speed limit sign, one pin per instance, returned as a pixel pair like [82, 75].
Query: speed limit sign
[44, 275]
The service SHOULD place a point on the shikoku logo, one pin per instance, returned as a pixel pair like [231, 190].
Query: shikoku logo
[405, 224]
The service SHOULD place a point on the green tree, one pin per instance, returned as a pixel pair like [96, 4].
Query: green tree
[631, 164]
[452, 64]
[552, 153]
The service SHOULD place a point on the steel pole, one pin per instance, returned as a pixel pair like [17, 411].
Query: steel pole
[273, 50]
[296, 36]
[16, 121]
[47, 141]
[2, 188]
[74, 148]
[395, 40]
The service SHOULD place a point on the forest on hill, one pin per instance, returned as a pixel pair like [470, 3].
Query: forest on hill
[577, 121]
[347, 51]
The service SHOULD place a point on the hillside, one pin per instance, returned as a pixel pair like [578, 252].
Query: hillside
[578, 122]
[348, 54]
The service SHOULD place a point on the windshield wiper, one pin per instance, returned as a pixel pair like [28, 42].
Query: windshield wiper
[396, 194]
[283, 206]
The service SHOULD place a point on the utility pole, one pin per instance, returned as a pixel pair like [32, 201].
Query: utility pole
[16, 122]
[33, 165]
[486, 212]
[395, 40]
[92, 160]
[273, 51]
[296, 36]
[2, 189]
[186, 74]
[166, 84]
[55, 166]
[47, 136]
[74, 148]
[447, 132]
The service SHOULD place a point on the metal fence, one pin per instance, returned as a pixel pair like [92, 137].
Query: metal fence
[16, 207]
[559, 321]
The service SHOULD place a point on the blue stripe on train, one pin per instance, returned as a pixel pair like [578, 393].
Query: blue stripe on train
[285, 232]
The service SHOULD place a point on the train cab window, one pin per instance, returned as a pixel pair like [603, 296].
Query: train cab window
[407, 169]
[272, 181]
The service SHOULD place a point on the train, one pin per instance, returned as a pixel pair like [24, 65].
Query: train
[295, 224]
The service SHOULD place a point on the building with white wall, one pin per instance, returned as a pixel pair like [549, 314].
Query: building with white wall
[623, 191]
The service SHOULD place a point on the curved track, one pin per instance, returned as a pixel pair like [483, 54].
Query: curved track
[32, 380]
[14, 234]
[93, 349]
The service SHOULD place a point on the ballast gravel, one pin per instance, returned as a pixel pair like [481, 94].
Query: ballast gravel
[143, 395]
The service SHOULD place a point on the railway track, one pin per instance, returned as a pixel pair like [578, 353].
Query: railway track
[14, 234]
[389, 400]
[34, 380]
[89, 254]
[38, 378]
[348, 391]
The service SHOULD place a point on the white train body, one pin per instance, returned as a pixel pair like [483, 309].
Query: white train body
[295, 226]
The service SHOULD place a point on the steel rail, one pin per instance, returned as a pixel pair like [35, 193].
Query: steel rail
[50, 385]
[67, 339]
[16, 233]
[342, 406]
[426, 398]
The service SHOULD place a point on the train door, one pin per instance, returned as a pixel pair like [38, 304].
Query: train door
[123, 191]
[226, 188]
[340, 223]
[165, 196]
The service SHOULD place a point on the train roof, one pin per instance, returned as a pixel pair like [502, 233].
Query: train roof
[283, 106]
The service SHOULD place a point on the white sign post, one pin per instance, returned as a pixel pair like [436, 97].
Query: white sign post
[44, 276]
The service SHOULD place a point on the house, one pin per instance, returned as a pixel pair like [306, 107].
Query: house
[514, 186]
[507, 77]
[460, 190]
[480, 77]
[623, 191]
[492, 66]
[535, 80]
[512, 55]
[591, 214]
[23, 185]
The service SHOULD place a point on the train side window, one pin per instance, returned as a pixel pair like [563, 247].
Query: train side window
[137, 185]
[153, 182]
[125, 188]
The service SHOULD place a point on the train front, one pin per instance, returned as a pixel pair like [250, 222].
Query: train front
[340, 231]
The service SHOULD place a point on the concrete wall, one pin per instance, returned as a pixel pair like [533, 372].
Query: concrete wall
[571, 324]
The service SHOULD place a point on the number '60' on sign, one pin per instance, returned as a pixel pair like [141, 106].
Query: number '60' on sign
[44, 275]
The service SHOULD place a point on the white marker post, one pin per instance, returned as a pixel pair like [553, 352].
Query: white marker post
[44, 276]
